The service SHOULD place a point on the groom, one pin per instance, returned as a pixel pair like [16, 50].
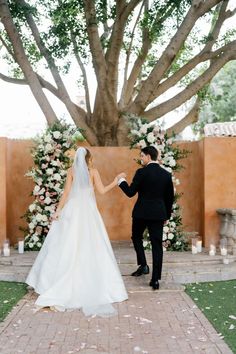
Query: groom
[152, 209]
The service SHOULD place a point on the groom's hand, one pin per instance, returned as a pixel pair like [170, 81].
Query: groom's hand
[121, 175]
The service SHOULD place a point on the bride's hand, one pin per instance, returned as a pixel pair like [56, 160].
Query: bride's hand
[56, 215]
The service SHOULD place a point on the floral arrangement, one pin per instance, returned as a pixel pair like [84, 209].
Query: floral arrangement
[144, 134]
[49, 174]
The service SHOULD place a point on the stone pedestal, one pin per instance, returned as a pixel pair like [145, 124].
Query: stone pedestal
[228, 227]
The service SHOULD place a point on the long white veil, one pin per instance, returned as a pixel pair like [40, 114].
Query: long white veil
[83, 191]
[81, 179]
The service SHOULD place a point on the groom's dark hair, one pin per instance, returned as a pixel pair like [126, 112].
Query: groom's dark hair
[152, 151]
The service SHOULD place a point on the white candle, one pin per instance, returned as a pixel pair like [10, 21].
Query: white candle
[212, 251]
[226, 260]
[6, 251]
[199, 245]
[21, 246]
[194, 249]
[223, 251]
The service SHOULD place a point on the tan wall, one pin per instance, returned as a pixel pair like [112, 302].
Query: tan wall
[219, 181]
[208, 182]
[191, 185]
[3, 210]
[19, 187]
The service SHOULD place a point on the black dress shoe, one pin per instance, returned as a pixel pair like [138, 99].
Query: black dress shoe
[141, 270]
[154, 284]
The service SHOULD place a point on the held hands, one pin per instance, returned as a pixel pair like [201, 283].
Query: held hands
[121, 175]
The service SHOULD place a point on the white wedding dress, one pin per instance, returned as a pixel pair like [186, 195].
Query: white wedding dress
[76, 267]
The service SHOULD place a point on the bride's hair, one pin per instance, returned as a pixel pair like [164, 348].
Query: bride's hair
[87, 156]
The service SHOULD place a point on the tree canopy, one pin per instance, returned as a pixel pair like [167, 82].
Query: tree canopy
[139, 50]
[219, 103]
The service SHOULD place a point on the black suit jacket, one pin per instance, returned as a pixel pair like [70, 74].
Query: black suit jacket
[155, 192]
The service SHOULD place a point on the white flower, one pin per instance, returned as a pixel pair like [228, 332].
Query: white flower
[56, 134]
[156, 129]
[135, 132]
[38, 217]
[32, 207]
[47, 138]
[142, 144]
[151, 138]
[39, 181]
[50, 208]
[145, 243]
[48, 147]
[177, 182]
[57, 177]
[55, 163]
[31, 245]
[169, 141]
[170, 236]
[164, 237]
[36, 190]
[173, 224]
[42, 191]
[143, 129]
[172, 162]
[166, 229]
[35, 238]
[44, 217]
[49, 171]
[161, 147]
[39, 244]
[48, 200]
[31, 225]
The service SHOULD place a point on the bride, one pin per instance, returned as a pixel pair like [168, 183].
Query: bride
[76, 267]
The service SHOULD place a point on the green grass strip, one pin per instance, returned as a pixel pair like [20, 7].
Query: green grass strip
[10, 294]
[217, 300]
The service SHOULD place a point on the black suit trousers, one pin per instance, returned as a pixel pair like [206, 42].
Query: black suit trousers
[155, 229]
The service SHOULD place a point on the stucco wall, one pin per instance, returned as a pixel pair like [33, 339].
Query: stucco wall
[3, 192]
[191, 185]
[219, 181]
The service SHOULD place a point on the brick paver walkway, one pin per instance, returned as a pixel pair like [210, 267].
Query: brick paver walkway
[160, 322]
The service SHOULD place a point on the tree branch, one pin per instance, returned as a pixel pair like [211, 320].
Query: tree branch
[85, 80]
[116, 42]
[98, 58]
[6, 46]
[123, 102]
[12, 80]
[197, 9]
[64, 96]
[146, 46]
[190, 90]
[201, 57]
[190, 118]
[215, 30]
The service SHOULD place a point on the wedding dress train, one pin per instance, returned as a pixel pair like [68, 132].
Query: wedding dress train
[76, 267]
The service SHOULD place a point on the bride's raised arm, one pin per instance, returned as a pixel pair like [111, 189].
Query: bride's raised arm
[98, 182]
[65, 194]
